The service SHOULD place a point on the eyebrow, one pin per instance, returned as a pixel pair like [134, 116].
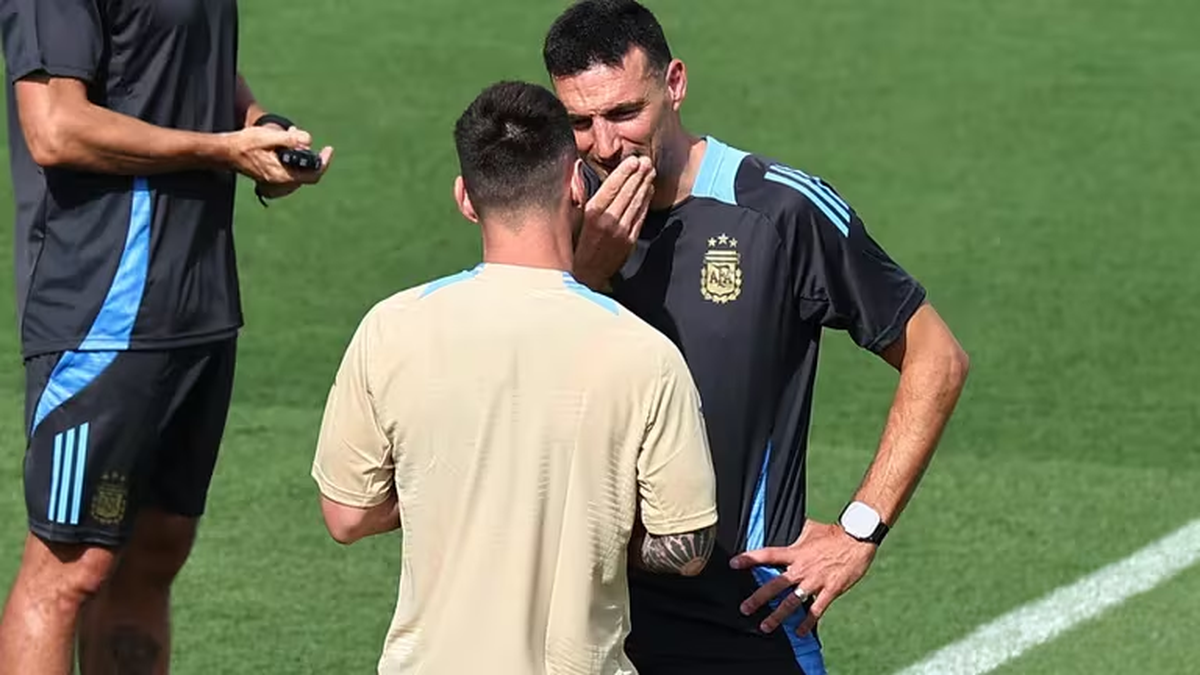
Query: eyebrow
[620, 108]
[627, 107]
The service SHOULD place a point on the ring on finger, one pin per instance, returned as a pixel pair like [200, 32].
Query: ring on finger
[804, 595]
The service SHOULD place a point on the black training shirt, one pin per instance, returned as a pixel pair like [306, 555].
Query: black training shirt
[743, 276]
[125, 262]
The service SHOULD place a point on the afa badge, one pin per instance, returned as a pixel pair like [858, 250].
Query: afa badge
[721, 277]
[108, 504]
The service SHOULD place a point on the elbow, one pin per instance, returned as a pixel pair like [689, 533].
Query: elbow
[47, 143]
[344, 525]
[959, 366]
[704, 542]
[343, 538]
[343, 533]
[53, 116]
[694, 568]
[348, 524]
[944, 362]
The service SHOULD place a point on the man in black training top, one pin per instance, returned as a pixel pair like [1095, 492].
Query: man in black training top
[743, 261]
[127, 125]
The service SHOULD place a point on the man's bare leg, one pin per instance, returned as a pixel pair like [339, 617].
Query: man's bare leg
[126, 628]
[37, 631]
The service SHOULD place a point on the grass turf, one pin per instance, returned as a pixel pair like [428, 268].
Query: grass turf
[1033, 163]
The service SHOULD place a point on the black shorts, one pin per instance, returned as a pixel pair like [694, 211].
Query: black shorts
[682, 625]
[113, 432]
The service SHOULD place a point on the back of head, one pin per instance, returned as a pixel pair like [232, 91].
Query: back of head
[601, 32]
[515, 148]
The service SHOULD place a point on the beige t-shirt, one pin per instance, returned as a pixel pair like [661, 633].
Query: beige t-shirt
[520, 419]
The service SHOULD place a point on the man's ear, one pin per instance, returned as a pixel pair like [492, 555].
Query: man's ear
[676, 83]
[464, 200]
[579, 196]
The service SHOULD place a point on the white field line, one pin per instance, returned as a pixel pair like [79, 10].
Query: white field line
[1041, 621]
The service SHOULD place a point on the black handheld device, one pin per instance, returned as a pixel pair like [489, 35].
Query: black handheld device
[295, 158]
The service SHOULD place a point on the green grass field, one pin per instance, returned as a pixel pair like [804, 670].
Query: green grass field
[1035, 164]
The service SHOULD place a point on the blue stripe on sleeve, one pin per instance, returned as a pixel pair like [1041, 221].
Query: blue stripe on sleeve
[841, 222]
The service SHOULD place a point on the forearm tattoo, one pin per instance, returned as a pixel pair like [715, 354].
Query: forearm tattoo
[684, 554]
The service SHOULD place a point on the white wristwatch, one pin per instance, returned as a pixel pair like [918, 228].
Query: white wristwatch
[863, 523]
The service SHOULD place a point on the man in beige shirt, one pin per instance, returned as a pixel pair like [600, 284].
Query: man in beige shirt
[517, 426]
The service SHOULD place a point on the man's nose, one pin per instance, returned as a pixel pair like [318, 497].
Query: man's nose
[607, 144]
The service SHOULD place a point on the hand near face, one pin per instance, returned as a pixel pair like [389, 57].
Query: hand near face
[612, 221]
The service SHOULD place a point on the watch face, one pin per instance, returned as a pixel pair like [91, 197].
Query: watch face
[859, 520]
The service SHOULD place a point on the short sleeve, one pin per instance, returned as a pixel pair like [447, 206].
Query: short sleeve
[842, 278]
[58, 37]
[675, 473]
[354, 462]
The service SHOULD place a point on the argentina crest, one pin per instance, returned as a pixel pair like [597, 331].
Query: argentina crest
[721, 276]
[108, 504]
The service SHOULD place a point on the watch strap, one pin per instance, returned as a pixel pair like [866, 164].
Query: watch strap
[877, 536]
[278, 120]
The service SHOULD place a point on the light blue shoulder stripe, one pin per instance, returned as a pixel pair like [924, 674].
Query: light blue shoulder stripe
[439, 284]
[820, 185]
[819, 192]
[835, 216]
[718, 172]
[579, 289]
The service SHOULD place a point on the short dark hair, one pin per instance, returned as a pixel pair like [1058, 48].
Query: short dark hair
[513, 142]
[601, 32]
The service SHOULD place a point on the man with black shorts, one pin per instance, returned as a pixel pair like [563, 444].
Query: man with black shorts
[743, 261]
[128, 124]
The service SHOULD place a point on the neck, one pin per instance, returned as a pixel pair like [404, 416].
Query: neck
[529, 238]
[682, 156]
